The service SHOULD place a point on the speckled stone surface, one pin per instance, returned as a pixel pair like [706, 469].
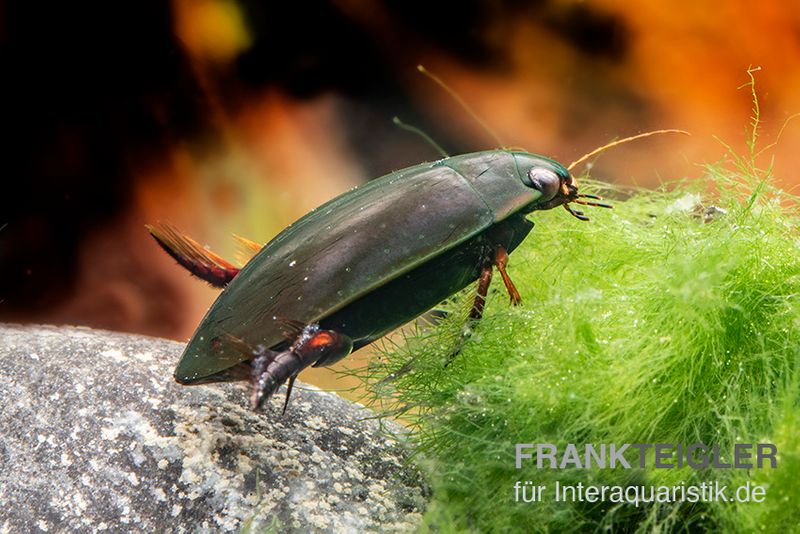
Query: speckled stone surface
[95, 436]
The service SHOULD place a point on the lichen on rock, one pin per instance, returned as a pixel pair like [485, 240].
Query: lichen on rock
[95, 435]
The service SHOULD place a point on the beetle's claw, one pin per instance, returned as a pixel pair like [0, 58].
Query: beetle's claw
[257, 399]
[572, 195]
[289, 387]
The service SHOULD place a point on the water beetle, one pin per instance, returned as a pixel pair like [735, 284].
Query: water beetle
[365, 263]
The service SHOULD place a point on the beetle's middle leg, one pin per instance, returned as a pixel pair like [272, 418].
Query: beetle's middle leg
[500, 260]
[484, 281]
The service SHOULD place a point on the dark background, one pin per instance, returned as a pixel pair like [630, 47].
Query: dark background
[225, 116]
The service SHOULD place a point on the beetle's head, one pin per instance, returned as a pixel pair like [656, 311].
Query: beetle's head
[558, 188]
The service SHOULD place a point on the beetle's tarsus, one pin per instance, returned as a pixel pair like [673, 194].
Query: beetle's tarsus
[463, 336]
[575, 213]
[289, 387]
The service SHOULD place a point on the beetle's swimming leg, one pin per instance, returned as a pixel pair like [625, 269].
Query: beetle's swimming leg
[311, 346]
[501, 260]
[247, 249]
[196, 259]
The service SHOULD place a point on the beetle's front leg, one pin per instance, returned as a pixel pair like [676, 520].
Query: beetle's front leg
[501, 260]
[475, 314]
[485, 279]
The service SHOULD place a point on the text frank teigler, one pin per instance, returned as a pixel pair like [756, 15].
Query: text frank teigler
[696, 456]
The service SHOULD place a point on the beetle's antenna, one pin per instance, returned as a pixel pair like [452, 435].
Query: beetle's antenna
[619, 142]
[438, 81]
[413, 129]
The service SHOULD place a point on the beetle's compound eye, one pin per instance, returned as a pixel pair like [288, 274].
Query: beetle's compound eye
[545, 181]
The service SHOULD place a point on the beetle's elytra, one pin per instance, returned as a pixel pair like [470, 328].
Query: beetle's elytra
[364, 263]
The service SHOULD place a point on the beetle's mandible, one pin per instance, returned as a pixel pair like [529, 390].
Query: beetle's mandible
[365, 263]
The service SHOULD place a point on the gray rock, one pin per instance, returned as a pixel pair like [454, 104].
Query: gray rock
[95, 435]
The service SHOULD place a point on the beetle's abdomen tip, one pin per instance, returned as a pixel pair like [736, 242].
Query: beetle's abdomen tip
[183, 380]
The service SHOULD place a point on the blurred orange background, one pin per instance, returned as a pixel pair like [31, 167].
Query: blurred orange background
[226, 116]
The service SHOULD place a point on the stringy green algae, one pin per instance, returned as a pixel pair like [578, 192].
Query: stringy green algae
[656, 322]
